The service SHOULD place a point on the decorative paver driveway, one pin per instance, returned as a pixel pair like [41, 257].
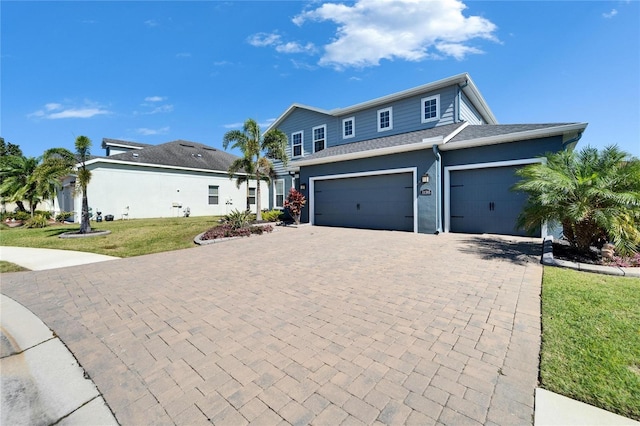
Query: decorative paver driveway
[309, 325]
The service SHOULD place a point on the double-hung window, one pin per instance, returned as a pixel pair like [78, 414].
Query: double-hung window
[278, 201]
[319, 138]
[213, 194]
[385, 119]
[348, 127]
[252, 196]
[430, 108]
[296, 144]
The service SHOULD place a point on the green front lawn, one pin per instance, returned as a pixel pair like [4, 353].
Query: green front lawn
[591, 339]
[128, 238]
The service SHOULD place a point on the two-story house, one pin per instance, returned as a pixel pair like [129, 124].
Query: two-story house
[428, 159]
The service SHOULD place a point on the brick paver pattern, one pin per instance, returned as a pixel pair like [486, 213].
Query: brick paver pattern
[311, 325]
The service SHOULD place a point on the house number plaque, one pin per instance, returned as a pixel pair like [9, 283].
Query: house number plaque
[425, 192]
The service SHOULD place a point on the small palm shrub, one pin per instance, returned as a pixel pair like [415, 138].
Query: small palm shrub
[37, 221]
[239, 219]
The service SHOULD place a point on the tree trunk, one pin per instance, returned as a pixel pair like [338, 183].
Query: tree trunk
[258, 209]
[85, 225]
[20, 205]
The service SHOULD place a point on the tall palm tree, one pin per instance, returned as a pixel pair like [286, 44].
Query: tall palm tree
[258, 151]
[56, 164]
[83, 145]
[594, 195]
[17, 181]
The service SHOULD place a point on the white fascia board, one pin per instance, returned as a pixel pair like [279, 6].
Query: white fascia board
[512, 137]
[123, 145]
[424, 144]
[157, 166]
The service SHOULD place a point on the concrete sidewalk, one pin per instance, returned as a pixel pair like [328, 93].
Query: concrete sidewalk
[42, 382]
[39, 259]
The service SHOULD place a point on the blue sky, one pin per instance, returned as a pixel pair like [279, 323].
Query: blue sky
[156, 71]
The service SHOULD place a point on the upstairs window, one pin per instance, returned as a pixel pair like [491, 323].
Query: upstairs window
[348, 128]
[431, 108]
[296, 144]
[279, 193]
[319, 138]
[252, 196]
[213, 194]
[385, 119]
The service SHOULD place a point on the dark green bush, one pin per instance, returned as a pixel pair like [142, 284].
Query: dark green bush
[62, 216]
[37, 221]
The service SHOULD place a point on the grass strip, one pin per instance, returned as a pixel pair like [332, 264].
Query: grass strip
[591, 339]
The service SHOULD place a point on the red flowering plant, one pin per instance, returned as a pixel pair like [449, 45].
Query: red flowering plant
[294, 203]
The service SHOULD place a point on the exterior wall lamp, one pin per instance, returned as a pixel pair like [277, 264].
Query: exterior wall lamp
[303, 186]
[425, 178]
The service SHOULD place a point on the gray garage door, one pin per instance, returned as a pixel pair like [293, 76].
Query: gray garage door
[369, 202]
[481, 201]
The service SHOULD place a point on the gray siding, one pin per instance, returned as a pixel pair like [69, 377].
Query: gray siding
[305, 120]
[468, 112]
[423, 160]
[503, 152]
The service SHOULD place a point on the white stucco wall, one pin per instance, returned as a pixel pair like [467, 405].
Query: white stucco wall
[152, 192]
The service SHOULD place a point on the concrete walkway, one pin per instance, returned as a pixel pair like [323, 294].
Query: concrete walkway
[343, 326]
[39, 259]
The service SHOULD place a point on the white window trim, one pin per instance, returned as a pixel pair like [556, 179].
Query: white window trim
[313, 136]
[380, 111]
[217, 195]
[255, 195]
[447, 182]
[275, 193]
[353, 127]
[413, 170]
[301, 133]
[425, 100]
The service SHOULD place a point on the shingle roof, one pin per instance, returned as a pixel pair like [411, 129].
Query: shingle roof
[179, 153]
[106, 141]
[488, 130]
[384, 142]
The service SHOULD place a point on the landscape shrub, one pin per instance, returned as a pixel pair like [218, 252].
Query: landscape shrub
[239, 219]
[272, 215]
[21, 216]
[37, 221]
[46, 214]
[227, 231]
[62, 216]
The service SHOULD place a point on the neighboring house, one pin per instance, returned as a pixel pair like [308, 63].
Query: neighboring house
[428, 159]
[145, 181]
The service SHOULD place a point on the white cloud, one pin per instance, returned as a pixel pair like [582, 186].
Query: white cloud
[611, 14]
[413, 30]
[154, 98]
[150, 132]
[264, 39]
[151, 23]
[293, 47]
[56, 111]
[233, 125]
[183, 55]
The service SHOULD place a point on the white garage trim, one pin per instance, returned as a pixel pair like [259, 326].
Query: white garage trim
[447, 180]
[413, 170]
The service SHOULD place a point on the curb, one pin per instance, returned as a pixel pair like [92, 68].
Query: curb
[548, 260]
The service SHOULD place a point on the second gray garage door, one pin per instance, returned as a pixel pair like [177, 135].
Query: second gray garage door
[481, 201]
[368, 202]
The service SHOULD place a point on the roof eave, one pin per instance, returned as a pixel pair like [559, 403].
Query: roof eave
[512, 137]
[160, 166]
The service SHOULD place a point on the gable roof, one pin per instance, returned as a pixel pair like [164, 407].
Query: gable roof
[178, 154]
[463, 80]
[449, 137]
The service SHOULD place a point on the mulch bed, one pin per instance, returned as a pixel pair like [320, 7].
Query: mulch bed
[563, 251]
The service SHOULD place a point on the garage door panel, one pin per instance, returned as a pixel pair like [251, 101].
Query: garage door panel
[371, 202]
[481, 201]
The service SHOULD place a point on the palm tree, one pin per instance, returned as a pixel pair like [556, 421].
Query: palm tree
[83, 145]
[17, 181]
[594, 195]
[258, 151]
[56, 164]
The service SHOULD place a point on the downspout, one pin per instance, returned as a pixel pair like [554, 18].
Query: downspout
[436, 152]
[466, 83]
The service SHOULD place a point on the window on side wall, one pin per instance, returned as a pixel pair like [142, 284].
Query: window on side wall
[296, 144]
[431, 108]
[319, 138]
[213, 194]
[279, 193]
[385, 119]
[252, 196]
[348, 128]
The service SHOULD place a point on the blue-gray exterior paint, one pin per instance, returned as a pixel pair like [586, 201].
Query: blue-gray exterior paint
[502, 152]
[424, 160]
